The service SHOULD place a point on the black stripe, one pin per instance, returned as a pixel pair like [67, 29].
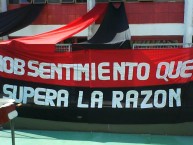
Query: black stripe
[107, 114]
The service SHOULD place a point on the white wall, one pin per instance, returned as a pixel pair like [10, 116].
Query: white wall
[136, 29]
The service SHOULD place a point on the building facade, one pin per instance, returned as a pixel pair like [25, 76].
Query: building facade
[149, 20]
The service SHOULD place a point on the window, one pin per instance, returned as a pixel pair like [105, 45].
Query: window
[39, 1]
[14, 1]
[67, 1]
[80, 1]
[53, 1]
[25, 1]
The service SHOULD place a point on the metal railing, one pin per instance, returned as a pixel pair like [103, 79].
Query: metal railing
[161, 45]
[60, 48]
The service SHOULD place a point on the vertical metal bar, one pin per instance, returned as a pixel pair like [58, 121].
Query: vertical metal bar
[188, 22]
[12, 131]
[4, 9]
[90, 5]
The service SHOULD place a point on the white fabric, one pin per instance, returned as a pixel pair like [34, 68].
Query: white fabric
[12, 114]
[4, 102]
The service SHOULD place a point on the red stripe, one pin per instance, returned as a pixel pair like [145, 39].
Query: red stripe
[150, 57]
[4, 111]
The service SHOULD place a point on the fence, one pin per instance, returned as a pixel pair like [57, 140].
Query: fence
[63, 48]
[68, 47]
[162, 45]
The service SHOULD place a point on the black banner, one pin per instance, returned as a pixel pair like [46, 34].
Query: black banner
[157, 104]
